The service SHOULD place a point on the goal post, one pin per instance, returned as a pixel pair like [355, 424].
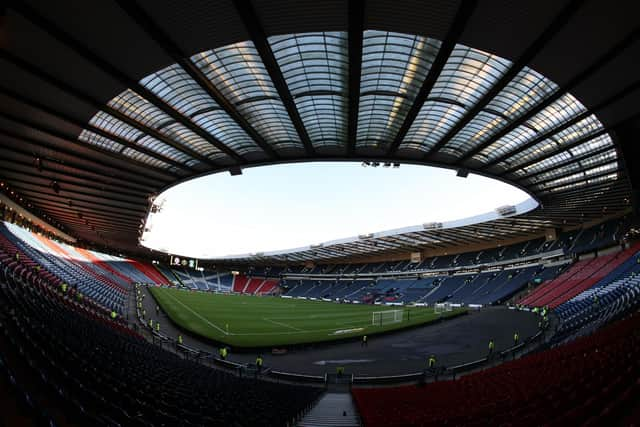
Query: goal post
[386, 317]
[442, 307]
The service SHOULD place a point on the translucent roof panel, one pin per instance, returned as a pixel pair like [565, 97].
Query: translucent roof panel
[174, 86]
[579, 176]
[559, 112]
[324, 117]
[239, 74]
[466, 77]
[432, 123]
[525, 91]
[270, 119]
[99, 141]
[316, 67]
[557, 145]
[605, 157]
[118, 128]
[582, 129]
[479, 129]
[562, 145]
[144, 158]
[598, 148]
[139, 109]
[394, 66]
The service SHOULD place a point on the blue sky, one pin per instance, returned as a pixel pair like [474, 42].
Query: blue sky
[286, 206]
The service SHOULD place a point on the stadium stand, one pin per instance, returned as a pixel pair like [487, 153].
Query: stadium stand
[253, 285]
[582, 275]
[75, 275]
[592, 380]
[99, 372]
[153, 275]
[240, 283]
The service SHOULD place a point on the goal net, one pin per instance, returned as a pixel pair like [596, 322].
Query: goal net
[380, 318]
[442, 307]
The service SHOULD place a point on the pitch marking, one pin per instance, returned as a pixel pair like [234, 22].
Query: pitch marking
[284, 324]
[198, 315]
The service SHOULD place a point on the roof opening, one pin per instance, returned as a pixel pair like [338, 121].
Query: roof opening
[282, 207]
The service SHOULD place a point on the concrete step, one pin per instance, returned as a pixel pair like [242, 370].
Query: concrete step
[332, 410]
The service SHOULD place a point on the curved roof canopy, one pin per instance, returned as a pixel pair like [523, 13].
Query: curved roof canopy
[116, 101]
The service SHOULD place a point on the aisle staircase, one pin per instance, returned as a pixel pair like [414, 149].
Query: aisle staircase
[332, 410]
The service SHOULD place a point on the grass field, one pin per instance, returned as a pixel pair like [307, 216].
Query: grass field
[249, 321]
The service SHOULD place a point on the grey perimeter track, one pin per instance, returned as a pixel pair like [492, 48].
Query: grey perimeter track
[456, 341]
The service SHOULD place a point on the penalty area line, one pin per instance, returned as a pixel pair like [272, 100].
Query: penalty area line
[198, 315]
[284, 324]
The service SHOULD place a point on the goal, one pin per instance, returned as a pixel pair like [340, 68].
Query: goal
[442, 307]
[380, 318]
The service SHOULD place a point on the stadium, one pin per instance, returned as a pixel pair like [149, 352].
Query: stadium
[525, 313]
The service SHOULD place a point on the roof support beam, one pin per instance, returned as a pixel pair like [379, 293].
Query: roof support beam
[616, 50]
[259, 38]
[31, 69]
[88, 214]
[585, 178]
[556, 25]
[561, 164]
[607, 102]
[55, 134]
[355, 16]
[73, 218]
[72, 179]
[463, 14]
[66, 193]
[88, 54]
[133, 9]
[569, 146]
[25, 190]
[33, 104]
[76, 173]
[604, 188]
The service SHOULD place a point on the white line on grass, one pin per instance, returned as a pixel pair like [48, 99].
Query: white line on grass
[284, 324]
[189, 308]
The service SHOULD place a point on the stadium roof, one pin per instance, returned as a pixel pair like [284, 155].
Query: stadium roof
[105, 104]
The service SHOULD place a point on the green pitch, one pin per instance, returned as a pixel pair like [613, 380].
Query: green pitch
[249, 321]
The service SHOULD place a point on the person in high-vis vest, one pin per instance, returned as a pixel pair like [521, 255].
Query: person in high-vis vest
[431, 363]
[64, 287]
[151, 323]
[157, 326]
[180, 339]
[364, 341]
[516, 338]
[491, 347]
[259, 362]
[113, 315]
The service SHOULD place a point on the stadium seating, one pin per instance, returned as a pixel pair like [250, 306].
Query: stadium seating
[239, 283]
[616, 293]
[267, 287]
[567, 243]
[591, 380]
[91, 370]
[253, 285]
[483, 288]
[77, 276]
[581, 276]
